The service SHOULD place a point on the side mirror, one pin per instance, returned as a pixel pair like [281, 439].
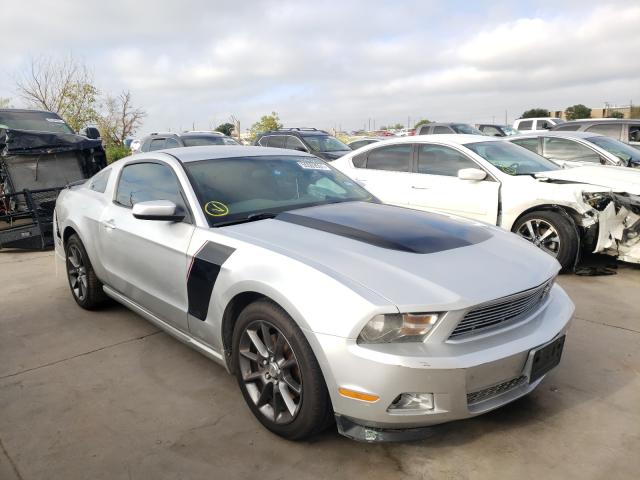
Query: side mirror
[498, 134]
[300, 149]
[473, 174]
[91, 132]
[156, 210]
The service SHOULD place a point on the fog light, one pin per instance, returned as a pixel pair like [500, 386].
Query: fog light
[412, 402]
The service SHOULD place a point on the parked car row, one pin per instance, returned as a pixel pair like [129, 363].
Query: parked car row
[326, 297]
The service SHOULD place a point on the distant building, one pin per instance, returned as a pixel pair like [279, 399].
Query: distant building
[628, 111]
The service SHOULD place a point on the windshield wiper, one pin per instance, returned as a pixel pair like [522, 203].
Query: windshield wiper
[249, 218]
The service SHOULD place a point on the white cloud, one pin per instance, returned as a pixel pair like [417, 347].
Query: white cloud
[329, 63]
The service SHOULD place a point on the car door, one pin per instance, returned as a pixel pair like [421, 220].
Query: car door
[386, 172]
[146, 260]
[436, 185]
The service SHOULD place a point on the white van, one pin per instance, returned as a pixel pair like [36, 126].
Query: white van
[536, 124]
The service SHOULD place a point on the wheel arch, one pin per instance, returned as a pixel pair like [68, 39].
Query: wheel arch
[241, 300]
[569, 213]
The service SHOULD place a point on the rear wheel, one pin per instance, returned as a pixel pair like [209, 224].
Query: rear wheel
[85, 286]
[278, 374]
[551, 232]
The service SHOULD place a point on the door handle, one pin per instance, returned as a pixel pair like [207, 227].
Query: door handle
[109, 224]
[415, 187]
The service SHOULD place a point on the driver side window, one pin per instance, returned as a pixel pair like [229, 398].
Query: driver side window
[142, 182]
[440, 160]
[563, 149]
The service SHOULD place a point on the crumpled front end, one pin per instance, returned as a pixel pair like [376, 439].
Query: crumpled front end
[618, 225]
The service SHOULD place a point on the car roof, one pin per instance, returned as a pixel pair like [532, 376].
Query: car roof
[25, 110]
[599, 120]
[448, 124]
[185, 134]
[561, 133]
[540, 118]
[302, 131]
[218, 152]
[454, 138]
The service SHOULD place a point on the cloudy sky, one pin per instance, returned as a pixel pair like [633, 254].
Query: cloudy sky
[336, 64]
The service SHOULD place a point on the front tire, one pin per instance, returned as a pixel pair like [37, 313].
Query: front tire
[278, 374]
[85, 286]
[552, 232]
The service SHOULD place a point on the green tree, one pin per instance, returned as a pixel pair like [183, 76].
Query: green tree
[226, 128]
[615, 114]
[536, 112]
[64, 86]
[266, 123]
[576, 112]
[383, 127]
[424, 121]
[398, 126]
[5, 102]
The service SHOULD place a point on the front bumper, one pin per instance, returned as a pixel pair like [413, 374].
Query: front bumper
[466, 378]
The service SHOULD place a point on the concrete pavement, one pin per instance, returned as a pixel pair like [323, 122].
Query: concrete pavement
[105, 395]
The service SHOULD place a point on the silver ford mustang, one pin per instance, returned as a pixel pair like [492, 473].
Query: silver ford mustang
[324, 303]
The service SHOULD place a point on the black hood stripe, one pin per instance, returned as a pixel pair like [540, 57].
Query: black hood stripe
[390, 227]
[202, 276]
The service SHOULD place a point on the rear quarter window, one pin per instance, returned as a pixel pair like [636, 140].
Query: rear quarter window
[526, 125]
[99, 181]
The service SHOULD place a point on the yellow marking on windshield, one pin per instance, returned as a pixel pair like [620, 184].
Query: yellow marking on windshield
[216, 209]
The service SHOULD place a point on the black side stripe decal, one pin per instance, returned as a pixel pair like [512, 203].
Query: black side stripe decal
[202, 276]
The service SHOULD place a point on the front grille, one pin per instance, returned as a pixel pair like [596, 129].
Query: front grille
[503, 310]
[494, 391]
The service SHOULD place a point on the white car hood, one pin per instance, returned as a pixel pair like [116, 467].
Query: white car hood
[456, 263]
[616, 179]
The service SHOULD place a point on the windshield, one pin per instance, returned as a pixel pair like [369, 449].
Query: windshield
[205, 140]
[464, 128]
[511, 159]
[232, 189]
[617, 148]
[325, 143]
[510, 130]
[34, 121]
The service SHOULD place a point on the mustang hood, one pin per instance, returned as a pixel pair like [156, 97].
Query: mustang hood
[413, 259]
[617, 179]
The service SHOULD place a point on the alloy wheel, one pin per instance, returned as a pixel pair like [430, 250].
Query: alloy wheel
[77, 272]
[270, 372]
[542, 234]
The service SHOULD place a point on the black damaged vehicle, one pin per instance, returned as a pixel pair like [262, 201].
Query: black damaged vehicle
[39, 155]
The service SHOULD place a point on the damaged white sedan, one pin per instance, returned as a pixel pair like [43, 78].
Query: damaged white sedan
[595, 208]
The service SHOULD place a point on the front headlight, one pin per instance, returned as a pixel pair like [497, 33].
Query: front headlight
[399, 327]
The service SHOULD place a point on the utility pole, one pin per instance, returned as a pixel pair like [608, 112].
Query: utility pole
[369, 125]
[505, 118]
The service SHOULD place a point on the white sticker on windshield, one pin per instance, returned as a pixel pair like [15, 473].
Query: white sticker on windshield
[55, 120]
[313, 165]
